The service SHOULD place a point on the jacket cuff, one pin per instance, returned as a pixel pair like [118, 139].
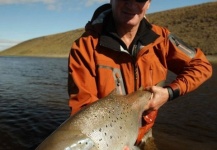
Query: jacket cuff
[173, 90]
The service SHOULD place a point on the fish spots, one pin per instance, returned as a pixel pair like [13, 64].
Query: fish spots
[114, 121]
[114, 124]
[109, 123]
[83, 143]
[80, 143]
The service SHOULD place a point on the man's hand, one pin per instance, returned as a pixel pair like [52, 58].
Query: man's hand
[160, 97]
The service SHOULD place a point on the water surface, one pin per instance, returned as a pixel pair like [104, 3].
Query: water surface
[34, 102]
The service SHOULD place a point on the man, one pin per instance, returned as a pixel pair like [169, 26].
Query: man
[121, 49]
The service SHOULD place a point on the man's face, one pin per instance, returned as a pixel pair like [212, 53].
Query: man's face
[129, 12]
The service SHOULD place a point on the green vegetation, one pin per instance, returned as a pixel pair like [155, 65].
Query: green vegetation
[196, 25]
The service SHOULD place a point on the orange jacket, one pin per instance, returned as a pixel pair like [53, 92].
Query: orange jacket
[99, 63]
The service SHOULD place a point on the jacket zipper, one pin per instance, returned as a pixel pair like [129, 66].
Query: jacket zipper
[136, 77]
[134, 53]
[151, 76]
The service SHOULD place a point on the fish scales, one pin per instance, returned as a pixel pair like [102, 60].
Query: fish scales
[111, 122]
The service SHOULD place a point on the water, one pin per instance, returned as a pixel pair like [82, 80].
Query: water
[34, 102]
[190, 122]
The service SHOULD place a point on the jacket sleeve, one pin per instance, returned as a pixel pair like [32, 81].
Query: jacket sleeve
[81, 74]
[190, 65]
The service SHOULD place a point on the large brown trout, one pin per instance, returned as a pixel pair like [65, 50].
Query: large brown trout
[111, 123]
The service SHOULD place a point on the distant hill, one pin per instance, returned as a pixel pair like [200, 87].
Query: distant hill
[57, 45]
[196, 25]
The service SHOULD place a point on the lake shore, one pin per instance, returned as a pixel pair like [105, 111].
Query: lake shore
[211, 58]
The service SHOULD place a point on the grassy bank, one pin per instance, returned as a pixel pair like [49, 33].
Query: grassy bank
[196, 25]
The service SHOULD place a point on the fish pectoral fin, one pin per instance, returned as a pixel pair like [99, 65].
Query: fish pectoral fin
[82, 142]
[66, 140]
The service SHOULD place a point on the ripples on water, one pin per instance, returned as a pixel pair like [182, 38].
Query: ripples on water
[34, 102]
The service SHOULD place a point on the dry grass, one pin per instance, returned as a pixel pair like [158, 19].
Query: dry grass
[196, 25]
[57, 45]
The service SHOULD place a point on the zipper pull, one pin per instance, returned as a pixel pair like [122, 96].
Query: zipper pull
[136, 76]
[118, 82]
[118, 79]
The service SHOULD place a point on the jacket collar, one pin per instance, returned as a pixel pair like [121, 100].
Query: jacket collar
[103, 23]
[110, 39]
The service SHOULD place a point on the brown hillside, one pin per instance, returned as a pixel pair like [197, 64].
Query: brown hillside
[196, 25]
[57, 45]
